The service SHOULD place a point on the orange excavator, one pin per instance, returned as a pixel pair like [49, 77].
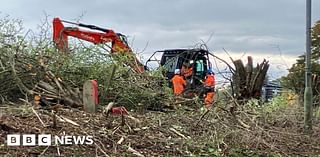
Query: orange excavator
[170, 59]
[96, 35]
[118, 41]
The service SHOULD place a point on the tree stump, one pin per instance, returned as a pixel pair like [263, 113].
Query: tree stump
[90, 96]
[248, 81]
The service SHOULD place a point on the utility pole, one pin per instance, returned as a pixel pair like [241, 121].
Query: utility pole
[308, 90]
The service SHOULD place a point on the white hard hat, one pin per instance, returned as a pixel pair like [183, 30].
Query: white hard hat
[177, 71]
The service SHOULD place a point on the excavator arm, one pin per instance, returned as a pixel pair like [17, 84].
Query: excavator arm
[118, 41]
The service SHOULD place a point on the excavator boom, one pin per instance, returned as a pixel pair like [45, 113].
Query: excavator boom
[117, 40]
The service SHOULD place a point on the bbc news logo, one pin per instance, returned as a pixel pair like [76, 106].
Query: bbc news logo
[47, 140]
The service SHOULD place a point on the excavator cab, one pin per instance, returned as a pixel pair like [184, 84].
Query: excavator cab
[172, 59]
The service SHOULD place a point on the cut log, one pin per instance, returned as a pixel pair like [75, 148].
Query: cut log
[90, 96]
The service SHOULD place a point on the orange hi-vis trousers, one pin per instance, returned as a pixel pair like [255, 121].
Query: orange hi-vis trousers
[209, 99]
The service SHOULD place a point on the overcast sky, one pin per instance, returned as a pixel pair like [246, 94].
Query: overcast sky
[271, 29]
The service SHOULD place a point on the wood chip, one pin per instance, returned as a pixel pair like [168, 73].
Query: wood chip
[121, 140]
[178, 133]
[70, 121]
[135, 152]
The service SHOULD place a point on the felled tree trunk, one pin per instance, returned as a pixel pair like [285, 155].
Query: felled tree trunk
[248, 81]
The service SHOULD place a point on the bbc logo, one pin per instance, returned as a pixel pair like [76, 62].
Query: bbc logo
[28, 140]
[46, 140]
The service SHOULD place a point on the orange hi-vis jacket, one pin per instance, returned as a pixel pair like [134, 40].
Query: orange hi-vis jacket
[210, 81]
[178, 84]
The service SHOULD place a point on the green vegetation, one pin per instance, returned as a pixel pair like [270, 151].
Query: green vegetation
[277, 103]
[36, 55]
[295, 79]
